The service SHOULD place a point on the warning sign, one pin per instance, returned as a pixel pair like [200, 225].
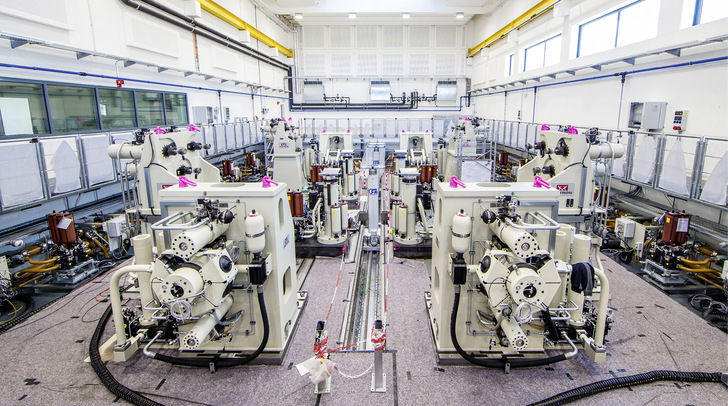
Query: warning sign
[565, 189]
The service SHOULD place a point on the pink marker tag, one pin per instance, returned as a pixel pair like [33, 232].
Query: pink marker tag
[193, 128]
[539, 182]
[544, 127]
[267, 182]
[160, 130]
[573, 130]
[455, 182]
[184, 182]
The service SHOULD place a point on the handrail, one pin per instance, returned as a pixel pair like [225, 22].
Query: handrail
[544, 223]
[164, 224]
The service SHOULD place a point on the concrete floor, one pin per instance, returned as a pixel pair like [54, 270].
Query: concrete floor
[42, 359]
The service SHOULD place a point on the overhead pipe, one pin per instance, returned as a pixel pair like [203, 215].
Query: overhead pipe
[193, 26]
[237, 22]
[539, 9]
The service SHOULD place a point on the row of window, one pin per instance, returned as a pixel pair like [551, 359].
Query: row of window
[35, 108]
[632, 22]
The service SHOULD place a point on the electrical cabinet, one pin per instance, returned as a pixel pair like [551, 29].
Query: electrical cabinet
[624, 228]
[647, 115]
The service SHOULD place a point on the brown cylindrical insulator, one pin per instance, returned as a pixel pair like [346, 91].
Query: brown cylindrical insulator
[434, 171]
[430, 172]
[227, 167]
[502, 158]
[521, 162]
[290, 203]
[423, 173]
[250, 159]
[298, 203]
[313, 173]
[61, 233]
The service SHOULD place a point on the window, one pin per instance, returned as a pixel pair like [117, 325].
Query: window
[697, 12]
[544, 53]
[22, 109]
[175, 105]
[509, 65]
[73, 109]
[37, 108]
[633, 22]
[149, 109]
[117, 109]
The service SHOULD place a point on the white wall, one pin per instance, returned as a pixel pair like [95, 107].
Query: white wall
[702, 89]
[412, 57]
[110, 27]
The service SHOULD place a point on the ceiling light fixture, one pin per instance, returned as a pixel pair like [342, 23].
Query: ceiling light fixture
[459, 14]
[405, 15]
[352, 15]
[298, 16]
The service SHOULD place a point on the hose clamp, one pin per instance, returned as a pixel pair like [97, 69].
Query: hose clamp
[255, 235]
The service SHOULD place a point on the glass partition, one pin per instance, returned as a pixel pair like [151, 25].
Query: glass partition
[73, 109]
[22, 109]
[116, 108]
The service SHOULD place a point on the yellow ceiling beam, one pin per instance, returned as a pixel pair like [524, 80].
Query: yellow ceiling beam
[237, 22]
[535, 11]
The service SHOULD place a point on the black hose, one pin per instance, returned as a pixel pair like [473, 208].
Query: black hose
[494, 363]
[209, 33]
[103, 373]
[632, 380]
[226, 362]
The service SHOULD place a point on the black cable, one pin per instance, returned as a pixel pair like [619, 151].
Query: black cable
[624, 381]
[227, 362]
[103, 373]
[494, 363]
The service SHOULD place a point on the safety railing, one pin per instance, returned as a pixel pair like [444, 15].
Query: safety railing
[681, 165]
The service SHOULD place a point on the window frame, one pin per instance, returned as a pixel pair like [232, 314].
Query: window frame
[542, 43]
[96, 106]
[47, 114]
[616, 31]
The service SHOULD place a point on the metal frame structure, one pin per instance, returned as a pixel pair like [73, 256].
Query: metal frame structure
[507, 133]
[246, 134]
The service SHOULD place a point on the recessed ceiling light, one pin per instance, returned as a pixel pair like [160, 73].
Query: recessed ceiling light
[405, 15]
[459, 15]
[352, 15]
[298, 16]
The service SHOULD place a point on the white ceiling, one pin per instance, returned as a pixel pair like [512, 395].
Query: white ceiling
[383, 11]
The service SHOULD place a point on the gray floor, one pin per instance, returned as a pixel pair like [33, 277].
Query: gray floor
[42, 359]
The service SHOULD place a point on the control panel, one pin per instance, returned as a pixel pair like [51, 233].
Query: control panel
[680, 120]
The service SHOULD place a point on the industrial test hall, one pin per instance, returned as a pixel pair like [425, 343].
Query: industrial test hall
[334, 202]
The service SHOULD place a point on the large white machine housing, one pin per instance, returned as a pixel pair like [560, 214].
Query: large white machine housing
[460, 232]
[571, 157]
[288, 158]
[157, 168]
[418, 146]
[262, 228]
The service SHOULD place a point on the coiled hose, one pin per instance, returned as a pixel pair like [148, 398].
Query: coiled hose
[103, 373]
[494, 363]
[227, 362]
[632, 380]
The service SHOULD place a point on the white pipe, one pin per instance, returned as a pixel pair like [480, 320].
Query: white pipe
[115, 295]
[143, 255]
[421, 208]
[603, 302]
[124, 151]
